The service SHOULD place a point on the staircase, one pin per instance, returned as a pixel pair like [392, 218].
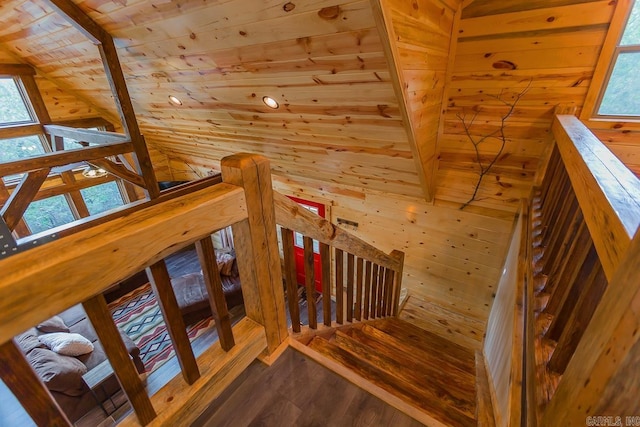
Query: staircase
[433, 375]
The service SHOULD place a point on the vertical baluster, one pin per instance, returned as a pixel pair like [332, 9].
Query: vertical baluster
[558, 256]
[21, 379]
[388, 293]
[359, 278]
[211, 275]
[367, 290]
[374, 290]
[552, 168]
[161, 284]
[121, 362]
[397, 281]
[591, 293]
[558, 230]
[380, 298]
[350, 277]
[339, 287]
[325, 260]
[310, 282]
[290, 278]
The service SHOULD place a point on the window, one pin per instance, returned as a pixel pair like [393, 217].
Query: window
[48, 213]
[620, 97]
[103, 197]
[14, 109]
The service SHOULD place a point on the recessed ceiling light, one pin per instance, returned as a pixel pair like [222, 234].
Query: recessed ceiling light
[270, 102]
[174, 100]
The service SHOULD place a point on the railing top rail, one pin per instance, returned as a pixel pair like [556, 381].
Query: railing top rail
[38, 283]
[608, 192]
[291, 215]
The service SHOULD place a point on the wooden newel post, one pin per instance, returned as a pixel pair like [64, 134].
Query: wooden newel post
[257, 246]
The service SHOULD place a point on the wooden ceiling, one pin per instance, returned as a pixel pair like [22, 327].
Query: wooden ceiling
[332, 67]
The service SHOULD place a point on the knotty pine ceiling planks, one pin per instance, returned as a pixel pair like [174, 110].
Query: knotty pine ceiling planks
[340, 119]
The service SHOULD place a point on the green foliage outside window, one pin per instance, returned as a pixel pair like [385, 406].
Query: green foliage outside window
[101, 198]
[622, 95]
[48, 213]
[12, 108]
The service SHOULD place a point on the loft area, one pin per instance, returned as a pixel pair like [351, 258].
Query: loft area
[474, 163]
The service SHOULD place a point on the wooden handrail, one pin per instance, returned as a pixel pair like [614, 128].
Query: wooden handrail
[291, 215]
[46, 280]
[608, 192]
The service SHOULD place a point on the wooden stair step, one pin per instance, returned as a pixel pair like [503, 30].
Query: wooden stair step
[426, 341]
[454, 388]
[408, 392]
[434, 363]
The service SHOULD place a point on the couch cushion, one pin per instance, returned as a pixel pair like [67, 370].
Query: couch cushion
[28, 340]
[58, 372]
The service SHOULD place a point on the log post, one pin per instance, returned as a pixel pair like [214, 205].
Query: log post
[257, 246]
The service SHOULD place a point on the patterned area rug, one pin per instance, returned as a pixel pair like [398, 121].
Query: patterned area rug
[138, 315]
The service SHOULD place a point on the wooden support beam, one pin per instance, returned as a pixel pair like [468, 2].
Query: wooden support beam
[260, 250]
[117, 249]
[10, 70]
[120, 171]
[211, 274]
[290, 277]
[161, 284]
[608, 192]
[598, 366]
[118, 85]
[50, 160]
[20, 130]
[310, 282]
[84, 135]
[116, 351]
[22, 197]
[18, 375]
[424, 155]
[21, 228]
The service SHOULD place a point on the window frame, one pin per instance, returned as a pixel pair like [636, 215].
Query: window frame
[608, 57]
[32, 99]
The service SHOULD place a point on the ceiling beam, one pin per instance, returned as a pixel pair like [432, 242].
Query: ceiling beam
[92, 30]
[22, 197]
[424, 155]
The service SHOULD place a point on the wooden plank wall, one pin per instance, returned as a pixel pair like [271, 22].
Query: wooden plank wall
[503, 47]
[624, 143]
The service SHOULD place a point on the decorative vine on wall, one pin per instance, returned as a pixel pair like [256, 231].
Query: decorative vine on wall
[498, 134]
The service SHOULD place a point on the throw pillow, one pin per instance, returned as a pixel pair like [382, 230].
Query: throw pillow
[67, 344]
[55, 324]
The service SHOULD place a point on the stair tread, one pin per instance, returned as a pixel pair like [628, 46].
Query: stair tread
[418, 396]
[425, 340]
[432, 359]
[454, 387]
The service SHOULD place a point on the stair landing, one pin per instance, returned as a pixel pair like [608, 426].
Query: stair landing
[434, 378]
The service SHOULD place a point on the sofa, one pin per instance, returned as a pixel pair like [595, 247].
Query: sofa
[62, 374]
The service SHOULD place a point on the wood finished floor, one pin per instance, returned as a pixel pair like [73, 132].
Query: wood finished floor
[296, 391]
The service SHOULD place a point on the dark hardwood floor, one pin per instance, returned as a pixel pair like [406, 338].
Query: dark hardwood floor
[296, 391]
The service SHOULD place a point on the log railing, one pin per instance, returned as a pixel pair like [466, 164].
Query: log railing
[576, 318]
[45, 280]
[367, 280]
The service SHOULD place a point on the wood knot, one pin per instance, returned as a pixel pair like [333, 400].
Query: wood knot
[504, 65]
[551, 19]
[288, 7]
[242, 33]
[329, 13]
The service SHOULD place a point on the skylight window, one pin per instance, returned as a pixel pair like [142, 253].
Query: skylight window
[14, 109]
[620, 98]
